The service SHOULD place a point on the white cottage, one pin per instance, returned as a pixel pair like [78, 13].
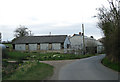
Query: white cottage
[33, 43]
[77, 43]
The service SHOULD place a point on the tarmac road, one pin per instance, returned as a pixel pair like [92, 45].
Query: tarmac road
[87, 69]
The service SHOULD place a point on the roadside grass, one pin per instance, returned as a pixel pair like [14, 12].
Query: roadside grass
[112, 65]
[32, 71]
[16, 55]
[58, 56]
[8, 68]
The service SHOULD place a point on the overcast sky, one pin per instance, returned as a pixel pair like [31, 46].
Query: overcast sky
[55, 16]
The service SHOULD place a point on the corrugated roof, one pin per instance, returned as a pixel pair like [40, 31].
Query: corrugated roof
[41, 39]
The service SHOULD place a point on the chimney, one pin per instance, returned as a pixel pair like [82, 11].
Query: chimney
[82, 34]
[73, 34]
[91, 37]
[79, 33]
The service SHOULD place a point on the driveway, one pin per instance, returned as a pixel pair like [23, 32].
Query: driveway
[87, 69]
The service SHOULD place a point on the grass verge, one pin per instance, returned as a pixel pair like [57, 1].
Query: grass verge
[112, 65]
[16, 55]
[54, 56]
[32, 71]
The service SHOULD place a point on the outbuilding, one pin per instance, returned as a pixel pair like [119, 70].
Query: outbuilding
[33, 43]
[90, 43]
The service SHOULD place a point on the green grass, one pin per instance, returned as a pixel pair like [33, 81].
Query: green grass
[16, 55]
[8, 68]
[58, 56]
[9, 45]
[32, 71]
[112, 65]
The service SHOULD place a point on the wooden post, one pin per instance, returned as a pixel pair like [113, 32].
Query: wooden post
[0, 63]
[0, 38]
[84, 50]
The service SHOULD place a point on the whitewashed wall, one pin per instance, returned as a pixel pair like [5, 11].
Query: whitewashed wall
[76, 42]
[67, 41]
[20, 47]
[90, 42]
[56, 46]
[100, 47]
[44, 46]
[32, 47]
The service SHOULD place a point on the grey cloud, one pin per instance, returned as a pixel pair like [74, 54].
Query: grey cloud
[39, 29]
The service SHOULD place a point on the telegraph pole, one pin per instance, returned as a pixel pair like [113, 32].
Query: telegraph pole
[119, 13]
[84, 50]
[30, 32]
[50, 33]
[119, 7]
[0, 38]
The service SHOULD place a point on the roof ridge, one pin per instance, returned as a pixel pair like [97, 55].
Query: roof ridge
[39, 39]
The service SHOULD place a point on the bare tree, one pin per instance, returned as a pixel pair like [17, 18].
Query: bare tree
[21, 31]
[109, 22]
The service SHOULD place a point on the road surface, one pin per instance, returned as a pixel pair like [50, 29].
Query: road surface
[87, 69]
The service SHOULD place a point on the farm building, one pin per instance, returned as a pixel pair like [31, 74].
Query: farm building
[33, 43]
[76, 41]
[91, 44]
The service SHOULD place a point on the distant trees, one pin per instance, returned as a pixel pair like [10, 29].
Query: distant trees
[109, 22]
[21, 31]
